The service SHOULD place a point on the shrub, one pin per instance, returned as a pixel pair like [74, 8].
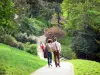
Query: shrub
[98, 55]
[1, 39]
[33, 49]
[21, 37]
[30, 48]
[84, 46]
[20, 45]
[54, 32]
[2, 71]
[67, 53]
[24, 38]
[8, 39]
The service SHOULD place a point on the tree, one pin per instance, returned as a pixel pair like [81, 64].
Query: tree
[54, 32]
[6, 17]
[83, 19]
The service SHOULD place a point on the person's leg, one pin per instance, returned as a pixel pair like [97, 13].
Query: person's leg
[58, 59]
[55, 58]
[50, 58]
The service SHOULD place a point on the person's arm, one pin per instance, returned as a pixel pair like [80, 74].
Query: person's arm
[59, 47]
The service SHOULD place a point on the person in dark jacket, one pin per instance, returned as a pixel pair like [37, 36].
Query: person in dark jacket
[49, 49]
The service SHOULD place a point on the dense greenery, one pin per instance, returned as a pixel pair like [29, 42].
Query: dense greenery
[66, 51]
[6, 17]
[86, 67]
[83, 23]
[21, 20]
[16, 62]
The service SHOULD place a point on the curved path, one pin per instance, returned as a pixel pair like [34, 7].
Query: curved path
[39, 51]
[65, 69]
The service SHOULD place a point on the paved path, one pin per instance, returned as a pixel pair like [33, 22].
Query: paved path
[65, 69]
[39, 51]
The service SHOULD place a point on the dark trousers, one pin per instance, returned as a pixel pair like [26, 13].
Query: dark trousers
[49, 58]
[56, 58]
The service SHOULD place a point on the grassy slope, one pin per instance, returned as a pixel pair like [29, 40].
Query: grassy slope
[17, 62]
[86, 67]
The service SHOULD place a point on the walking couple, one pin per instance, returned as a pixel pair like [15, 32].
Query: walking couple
[52, 47]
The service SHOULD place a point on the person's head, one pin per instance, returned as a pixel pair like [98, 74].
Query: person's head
[55, 39]
[49, 40]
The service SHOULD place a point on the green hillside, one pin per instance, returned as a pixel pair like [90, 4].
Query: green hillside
[86, 67]
[17, 62]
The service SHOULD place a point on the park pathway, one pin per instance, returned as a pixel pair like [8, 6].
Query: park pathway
[65, 69]
[39, 51]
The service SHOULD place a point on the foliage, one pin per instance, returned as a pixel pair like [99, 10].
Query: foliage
[83, 23]
[6, 17]
[24, 38]
[83, 67]
[9, 40]
[30, 48]
[32, 26]
[81, 13]
[27, 26]
[16, 62]
[84, 46]
[54, 32]
[54, 0]
[66, 51]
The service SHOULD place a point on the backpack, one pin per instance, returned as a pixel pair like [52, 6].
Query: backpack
[49, 48]
[46, 50]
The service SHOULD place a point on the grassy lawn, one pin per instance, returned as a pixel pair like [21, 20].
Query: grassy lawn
[17, 62]
[86, 67]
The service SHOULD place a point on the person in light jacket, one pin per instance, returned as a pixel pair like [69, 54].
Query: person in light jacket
[56, 52]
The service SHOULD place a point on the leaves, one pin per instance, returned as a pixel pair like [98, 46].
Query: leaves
[6, 16]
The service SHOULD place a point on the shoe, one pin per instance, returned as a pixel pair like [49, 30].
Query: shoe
[58, 65]
[50, 64]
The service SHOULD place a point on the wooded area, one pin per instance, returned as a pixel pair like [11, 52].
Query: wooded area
[21, 20]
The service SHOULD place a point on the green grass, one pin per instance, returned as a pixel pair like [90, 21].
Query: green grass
[86, 67]
[17, 62]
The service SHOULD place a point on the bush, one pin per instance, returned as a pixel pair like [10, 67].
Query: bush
[2, 71]
[54, 32]
[67, 53]
[98, 55]
[20, 45]
[84, 46]
[24, 38]
[9, 40]
[33, 49]
[30, 48]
